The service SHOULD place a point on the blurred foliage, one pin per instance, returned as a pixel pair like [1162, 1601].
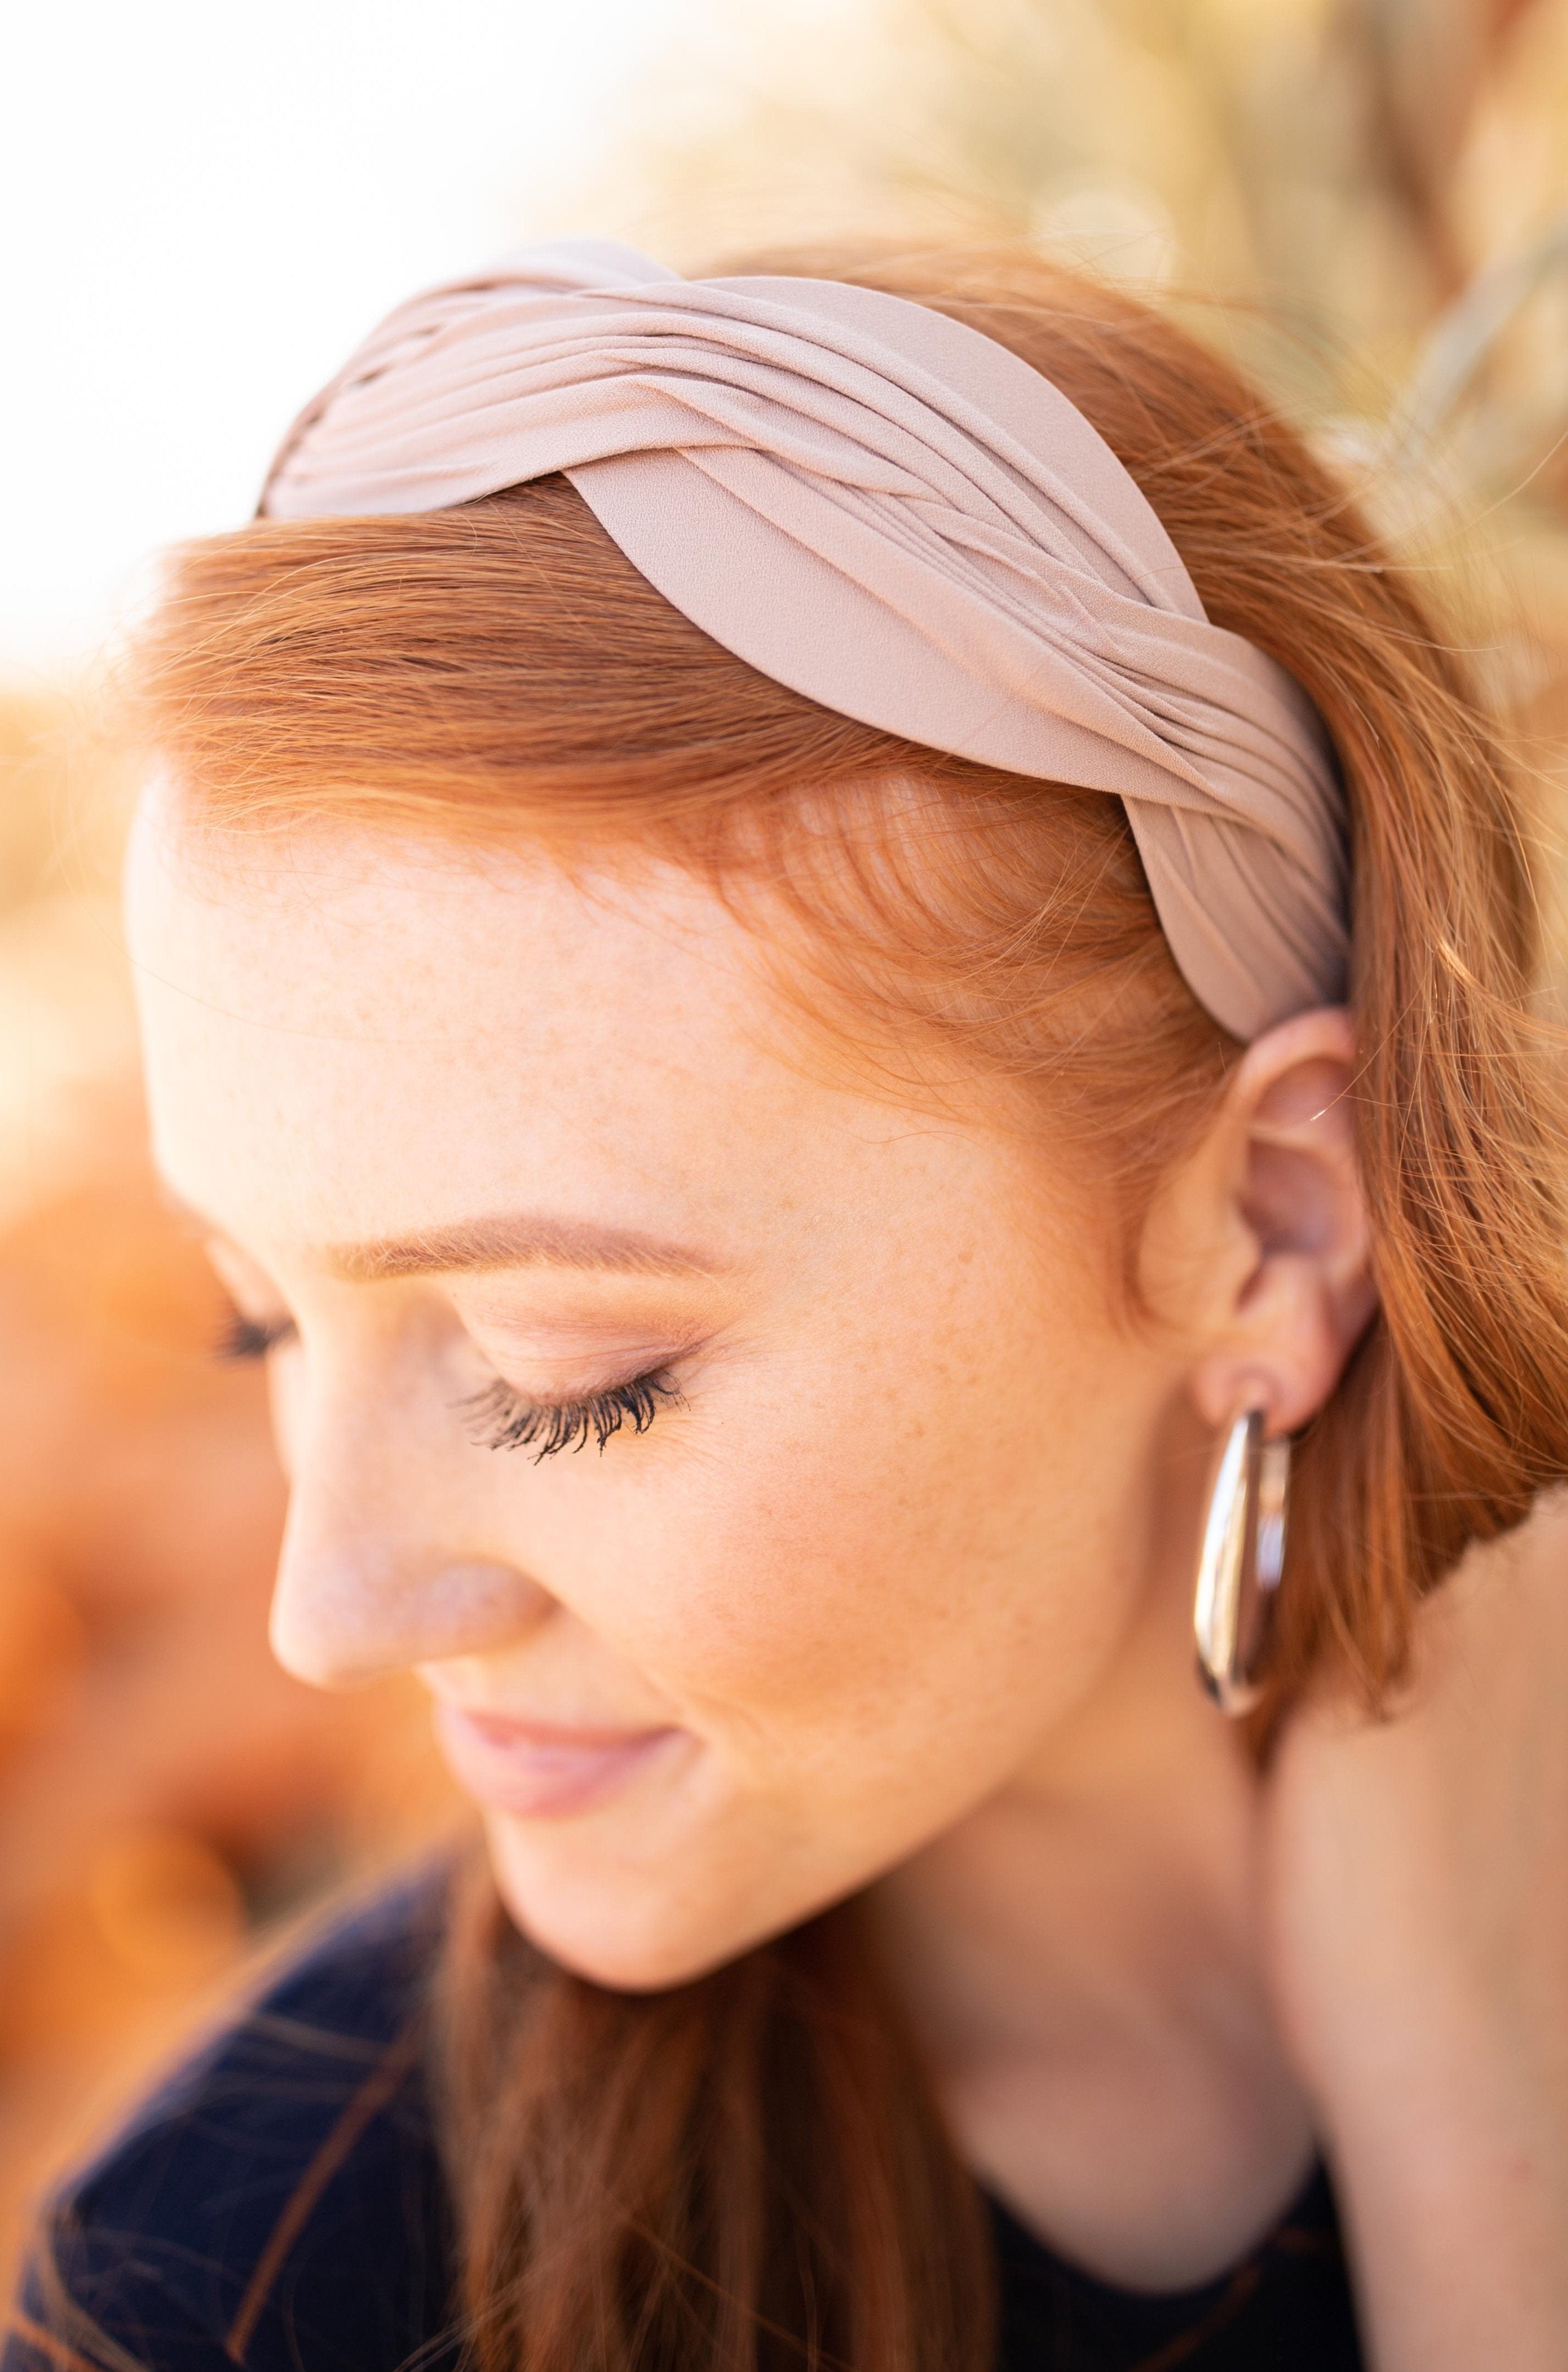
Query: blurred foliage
[1379, 192]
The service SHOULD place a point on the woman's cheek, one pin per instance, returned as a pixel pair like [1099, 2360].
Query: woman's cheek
[805, 1576]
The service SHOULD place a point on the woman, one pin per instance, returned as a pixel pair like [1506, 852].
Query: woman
[802, 938]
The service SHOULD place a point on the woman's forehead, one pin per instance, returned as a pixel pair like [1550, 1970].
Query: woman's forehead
[350, 1040]
[426, 917]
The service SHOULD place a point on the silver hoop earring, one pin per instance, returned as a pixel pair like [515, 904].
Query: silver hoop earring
[1240, 1563]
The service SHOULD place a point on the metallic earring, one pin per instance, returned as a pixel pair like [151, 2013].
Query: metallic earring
[1240, 1563]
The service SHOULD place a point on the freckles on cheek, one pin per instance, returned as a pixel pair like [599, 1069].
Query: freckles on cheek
[798, 1594]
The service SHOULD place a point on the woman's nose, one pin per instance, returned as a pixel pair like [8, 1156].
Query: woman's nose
[370, 1579]
[369, 1609]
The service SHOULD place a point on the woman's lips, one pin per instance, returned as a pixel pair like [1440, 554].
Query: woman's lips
[536, 1768]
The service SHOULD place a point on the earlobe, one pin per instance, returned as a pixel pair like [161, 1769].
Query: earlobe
[1284, 1166]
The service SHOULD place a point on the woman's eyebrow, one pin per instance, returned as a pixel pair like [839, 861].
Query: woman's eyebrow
[501, 1239]
[513, 1239]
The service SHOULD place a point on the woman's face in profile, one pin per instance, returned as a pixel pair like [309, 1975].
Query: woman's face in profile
[754, 1471]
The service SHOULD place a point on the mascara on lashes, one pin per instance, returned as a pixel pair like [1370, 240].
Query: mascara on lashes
[504, 1420]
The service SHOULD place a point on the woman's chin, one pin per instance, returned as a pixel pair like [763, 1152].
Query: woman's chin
[633, 1929]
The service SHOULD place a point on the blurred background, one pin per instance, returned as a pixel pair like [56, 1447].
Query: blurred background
[204, 208]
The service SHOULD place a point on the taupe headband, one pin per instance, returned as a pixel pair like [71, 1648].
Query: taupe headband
[895, 516]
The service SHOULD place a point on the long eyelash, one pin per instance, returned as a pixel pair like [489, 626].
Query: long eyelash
[501, 1420]
[250, 1338]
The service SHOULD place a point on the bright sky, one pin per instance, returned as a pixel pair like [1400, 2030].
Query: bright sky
[203, 204]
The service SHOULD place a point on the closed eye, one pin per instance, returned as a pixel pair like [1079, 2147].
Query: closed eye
[499, 1418]
[251, 1338]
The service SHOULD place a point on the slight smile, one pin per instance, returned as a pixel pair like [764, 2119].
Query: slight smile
[541, 1771]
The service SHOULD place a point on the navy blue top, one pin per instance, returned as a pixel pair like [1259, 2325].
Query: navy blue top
[278, 2205]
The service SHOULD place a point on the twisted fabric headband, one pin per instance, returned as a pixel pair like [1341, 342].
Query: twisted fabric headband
[888, 512]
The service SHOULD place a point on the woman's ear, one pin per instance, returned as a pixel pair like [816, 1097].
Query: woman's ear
[1259, 1248]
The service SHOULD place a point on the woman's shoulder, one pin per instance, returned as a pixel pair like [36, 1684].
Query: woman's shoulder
[278, 2199]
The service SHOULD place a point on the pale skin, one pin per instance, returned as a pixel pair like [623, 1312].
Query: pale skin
[892, 1589]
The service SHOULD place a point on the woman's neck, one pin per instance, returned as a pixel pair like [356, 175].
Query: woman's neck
[1080, 1959]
